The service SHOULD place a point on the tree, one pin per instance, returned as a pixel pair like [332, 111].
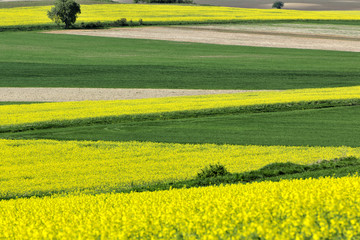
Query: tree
[278, 5]
[65, 11]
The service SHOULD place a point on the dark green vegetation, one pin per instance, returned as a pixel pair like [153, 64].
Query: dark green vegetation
[140, 22]
[212, 171]
[31, 59]
[337, 126]
[16, 103]
[278, 5]
[272, 172]
[65, 11]
[123, 22]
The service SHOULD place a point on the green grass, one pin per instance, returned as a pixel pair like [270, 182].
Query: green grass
[17, 103]
[338, 126]
[260, 108]
[32, 59]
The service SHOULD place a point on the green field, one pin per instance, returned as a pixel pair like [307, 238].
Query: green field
[338, 126]
[33, 59]
[16, 103]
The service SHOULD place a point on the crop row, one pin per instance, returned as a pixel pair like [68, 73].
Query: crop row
[47, 112]
[35, 167]
[325, 208]
[168, 13]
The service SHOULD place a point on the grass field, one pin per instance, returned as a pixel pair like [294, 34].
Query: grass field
[45, 60]
[320, 127]
[16, 103]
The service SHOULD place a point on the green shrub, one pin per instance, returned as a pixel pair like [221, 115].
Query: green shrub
[213, 171]
[92, 25]
[123, 22]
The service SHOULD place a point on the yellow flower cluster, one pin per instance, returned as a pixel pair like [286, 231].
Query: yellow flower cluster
[21, 114]
[168, 13]
[33, 166]
[325, 208]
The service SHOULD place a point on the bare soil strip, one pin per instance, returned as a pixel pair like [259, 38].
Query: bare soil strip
[281, 38]
[322, 31]
[82, 94]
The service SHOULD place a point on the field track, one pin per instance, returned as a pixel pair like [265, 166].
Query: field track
[82, 94]
[260, 37]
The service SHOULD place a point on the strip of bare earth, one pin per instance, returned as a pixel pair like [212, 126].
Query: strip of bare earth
[82, 94]
[241, 36]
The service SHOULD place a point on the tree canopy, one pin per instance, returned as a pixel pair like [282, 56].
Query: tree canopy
[65, 11]
[278, 4]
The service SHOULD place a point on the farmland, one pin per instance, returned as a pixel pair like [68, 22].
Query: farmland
[324, 127]
[20, 117]
[323, 208]
[70, 166]
[169, 14]
[130, 168]
[83, 61]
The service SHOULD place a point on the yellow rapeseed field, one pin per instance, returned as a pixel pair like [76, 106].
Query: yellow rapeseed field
[325, 208]
[34, 113]
[35, 166]
[168, 13]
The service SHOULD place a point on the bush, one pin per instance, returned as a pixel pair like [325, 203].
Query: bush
[212, 171]
[92, 25]
[278, 5]
[123, 22]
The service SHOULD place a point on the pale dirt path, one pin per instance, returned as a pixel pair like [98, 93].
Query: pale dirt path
[82, 94]
[225, 36]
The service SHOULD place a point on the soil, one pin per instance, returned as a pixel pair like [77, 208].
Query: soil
[301, 36]
[82, 94]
